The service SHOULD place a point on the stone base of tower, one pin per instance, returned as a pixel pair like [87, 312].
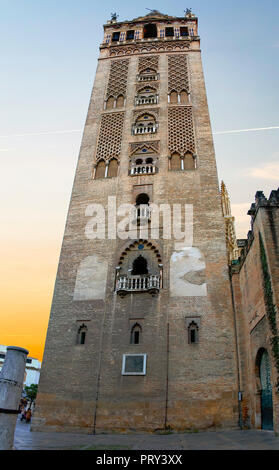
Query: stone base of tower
[142, 416]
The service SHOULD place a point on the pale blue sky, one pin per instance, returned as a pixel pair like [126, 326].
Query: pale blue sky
[48, 57]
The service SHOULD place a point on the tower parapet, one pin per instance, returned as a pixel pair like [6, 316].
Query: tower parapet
[152, 28]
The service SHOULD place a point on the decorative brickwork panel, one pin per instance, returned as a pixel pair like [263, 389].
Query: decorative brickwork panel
[109, 143]
[152, 112]
[178, 76]
[151, 85]
[180, 130]
[148, 62]
[148, 48]
[136, 147]
[117, 83]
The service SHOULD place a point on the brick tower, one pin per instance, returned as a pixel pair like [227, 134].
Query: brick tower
[141, 333]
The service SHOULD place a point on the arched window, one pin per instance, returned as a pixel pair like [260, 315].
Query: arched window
[193, 330]
[150, 30]
[81, 334]
[139, 266]
[173, 97]
[175, 162]
[189, 161]
[184, 98]
[145, 123]
[110, 102]
[120, 101]
[142, 199]
[113, 168]
[136, 334]
[149, 161]
[100, 169]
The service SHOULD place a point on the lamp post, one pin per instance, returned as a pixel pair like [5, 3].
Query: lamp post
[11, 381]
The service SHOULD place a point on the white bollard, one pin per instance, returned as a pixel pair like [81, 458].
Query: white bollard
[11, 382]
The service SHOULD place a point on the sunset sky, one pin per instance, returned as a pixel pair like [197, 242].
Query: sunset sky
[49, 53]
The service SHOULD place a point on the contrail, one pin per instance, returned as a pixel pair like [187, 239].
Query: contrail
[246, 130]
[43, 133]
[70, 131]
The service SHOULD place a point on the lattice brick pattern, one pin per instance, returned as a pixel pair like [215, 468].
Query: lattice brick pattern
[117, 83]
[178, 75]
[110, 136]
[148, 62]
[180, 130]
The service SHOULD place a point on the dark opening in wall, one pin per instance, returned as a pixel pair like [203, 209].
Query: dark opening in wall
[82, 337]
[184, 31]
[169, 32]
[150, 31]
[115, 37]
[142, 199]
[130, 34]
[139, 266]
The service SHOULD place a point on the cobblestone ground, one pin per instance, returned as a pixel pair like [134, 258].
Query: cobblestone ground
[214, 440]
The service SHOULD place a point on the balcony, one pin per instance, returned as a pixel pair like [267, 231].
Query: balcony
[148, 77]
[143, 283]
[142, 100]
[143, 170]
[145, 129]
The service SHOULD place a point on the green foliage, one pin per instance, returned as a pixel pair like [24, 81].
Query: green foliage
[270, 308]
[31, 391]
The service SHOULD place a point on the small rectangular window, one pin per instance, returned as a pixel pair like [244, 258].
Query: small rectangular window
[2, 356]
[29, 361]
[130, 35]
[115, 37]
[134, 364]
[169, 32]
[82, 337]
[184, 31]
[193, 336]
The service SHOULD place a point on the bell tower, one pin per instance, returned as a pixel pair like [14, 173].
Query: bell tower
[141, 332]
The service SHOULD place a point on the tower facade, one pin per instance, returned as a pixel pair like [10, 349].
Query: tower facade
[141, 333]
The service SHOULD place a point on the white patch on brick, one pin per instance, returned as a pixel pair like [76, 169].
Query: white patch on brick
[185, 265]
[91, 279]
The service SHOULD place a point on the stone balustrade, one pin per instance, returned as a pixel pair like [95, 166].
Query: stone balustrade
[143, 170]
[140, 283]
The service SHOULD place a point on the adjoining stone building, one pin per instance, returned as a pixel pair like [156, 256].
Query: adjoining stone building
[255, 287]
[146, 327]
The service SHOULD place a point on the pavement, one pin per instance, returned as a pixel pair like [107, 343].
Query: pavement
[203, 440]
